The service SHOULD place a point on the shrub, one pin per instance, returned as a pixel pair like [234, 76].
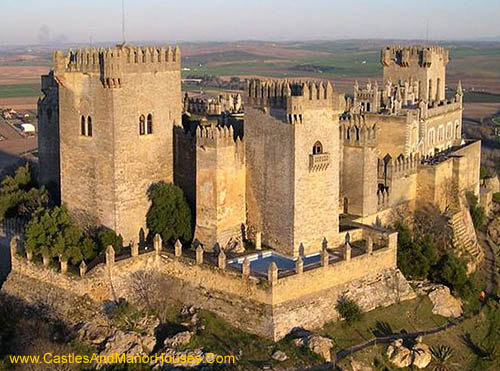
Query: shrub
[108, 237]
[441, 356]
[485, 173]
[169, 214]
[349, 310]
[477, 212]
[19, 195]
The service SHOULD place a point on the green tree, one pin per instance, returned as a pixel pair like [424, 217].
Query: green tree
[107, 237]
[169, 214]
[19, 195]
[50, 233]
[452, 272]
[415, 255]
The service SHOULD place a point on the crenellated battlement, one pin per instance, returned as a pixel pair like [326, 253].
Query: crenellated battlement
[405, 56]
[112, 63]
[389, 168]
[440, 108]
[355, 131]
[217, 136]
[293, 96]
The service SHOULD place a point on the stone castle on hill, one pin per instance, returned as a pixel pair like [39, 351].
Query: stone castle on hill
[301, 171]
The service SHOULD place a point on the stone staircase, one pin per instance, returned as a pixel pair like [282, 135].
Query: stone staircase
[464, 236]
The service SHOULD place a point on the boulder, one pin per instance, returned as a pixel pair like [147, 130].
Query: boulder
[424, 287]
[444, 303]
[127, 342]
[148, 325]
[401, 357]
[148, 343]
[94, 334]
[279, 356]
[320, 345]
[179, 339]
[421, 355]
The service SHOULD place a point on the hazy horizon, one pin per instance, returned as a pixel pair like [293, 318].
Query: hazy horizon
[31, 22]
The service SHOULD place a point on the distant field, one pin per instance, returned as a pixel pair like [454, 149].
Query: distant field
[21, 90]
[479, 97]
[476, 64]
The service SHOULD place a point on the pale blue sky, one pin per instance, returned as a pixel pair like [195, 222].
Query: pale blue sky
[34, 21]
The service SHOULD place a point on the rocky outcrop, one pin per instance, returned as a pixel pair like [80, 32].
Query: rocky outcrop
[315, 343]
[400, 356]
[421, 355]
[179, 339]
[445, 304]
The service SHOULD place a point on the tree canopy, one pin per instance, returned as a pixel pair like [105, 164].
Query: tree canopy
[169, 214]
[19, 195]
[50, 233]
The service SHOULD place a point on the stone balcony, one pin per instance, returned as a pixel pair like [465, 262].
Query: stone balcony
[319, 162]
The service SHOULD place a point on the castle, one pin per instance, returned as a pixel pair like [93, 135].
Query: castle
[310, 174]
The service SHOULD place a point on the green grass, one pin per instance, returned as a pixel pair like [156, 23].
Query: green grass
[479, 329]
[22, 90]
[409, 316]
[251, 351]
[496, 120]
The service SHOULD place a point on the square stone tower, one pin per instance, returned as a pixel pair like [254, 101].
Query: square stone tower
[292, 156]
[220, 187]
[424, 64]
[115, 110]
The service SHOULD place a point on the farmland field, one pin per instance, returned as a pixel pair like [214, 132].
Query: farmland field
[19, 90]
[342, 62]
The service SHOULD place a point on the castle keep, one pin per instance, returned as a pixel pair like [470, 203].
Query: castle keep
[291, 184]
[106, 127]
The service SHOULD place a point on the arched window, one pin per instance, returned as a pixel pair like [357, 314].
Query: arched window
[149, 124]
[83, 130]
[89, 126]
[431, 137]
[142, 125]
[317, 148]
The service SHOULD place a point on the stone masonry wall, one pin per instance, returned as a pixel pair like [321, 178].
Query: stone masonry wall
[254, 305]
[316, 189]
[359, 179]
[270, 194]
[458, 173]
